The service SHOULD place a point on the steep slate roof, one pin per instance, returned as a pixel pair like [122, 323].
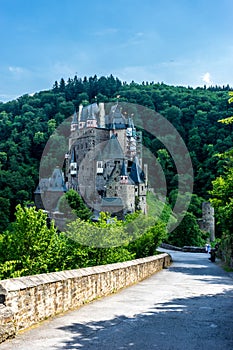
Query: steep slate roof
[56, 181]
[75, 118]
[112, 149]
[115, 119]
[89, 112]
[43, 186]
[136, 173]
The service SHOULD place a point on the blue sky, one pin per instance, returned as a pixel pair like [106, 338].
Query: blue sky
[178, 42]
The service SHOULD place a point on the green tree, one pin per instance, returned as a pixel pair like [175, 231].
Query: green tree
[147, 243]
[73, 201]
[29, 246]
[5, 213]
[222, 200]
[187, 233]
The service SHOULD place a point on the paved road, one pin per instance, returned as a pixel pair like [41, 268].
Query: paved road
[188, 306]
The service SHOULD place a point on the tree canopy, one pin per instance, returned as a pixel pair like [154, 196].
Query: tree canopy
[27, 123]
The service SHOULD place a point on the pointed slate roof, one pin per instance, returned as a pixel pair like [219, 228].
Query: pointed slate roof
[112, 149]
[75, 118]
[115, 119]
[56, 181]
[89, 112]
[136, 173]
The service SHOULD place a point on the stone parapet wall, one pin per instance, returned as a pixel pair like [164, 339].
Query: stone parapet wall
[28, 300]
[189, 249]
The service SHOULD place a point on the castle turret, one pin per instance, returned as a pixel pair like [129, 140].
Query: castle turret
[208, 221]
[74, 123]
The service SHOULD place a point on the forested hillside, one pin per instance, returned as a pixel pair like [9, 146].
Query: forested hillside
[27, 122]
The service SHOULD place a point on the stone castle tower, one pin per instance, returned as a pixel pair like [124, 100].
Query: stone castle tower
[104, 163]
[207, 222]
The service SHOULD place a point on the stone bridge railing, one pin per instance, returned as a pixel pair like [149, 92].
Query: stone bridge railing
[28, 300]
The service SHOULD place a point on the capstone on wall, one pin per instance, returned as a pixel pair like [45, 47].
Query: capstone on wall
[28, 300]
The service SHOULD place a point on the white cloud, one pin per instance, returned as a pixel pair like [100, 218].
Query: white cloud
[17, 70]
[207, 78]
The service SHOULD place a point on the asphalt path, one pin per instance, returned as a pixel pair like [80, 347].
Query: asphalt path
[187, 306]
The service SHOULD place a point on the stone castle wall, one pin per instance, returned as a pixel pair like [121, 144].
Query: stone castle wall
[28, 300]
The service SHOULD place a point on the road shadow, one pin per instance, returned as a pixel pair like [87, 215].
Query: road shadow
[195, 323]
[207, 271]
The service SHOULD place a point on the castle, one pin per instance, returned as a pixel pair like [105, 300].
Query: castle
[104, 162]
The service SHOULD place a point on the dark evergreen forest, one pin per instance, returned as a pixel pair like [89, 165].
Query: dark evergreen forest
[27, 122]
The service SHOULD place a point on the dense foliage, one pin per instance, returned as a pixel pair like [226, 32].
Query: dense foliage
[187, 233]
[27, 123]
[72, 203]
[222, 200]
[29, 246]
